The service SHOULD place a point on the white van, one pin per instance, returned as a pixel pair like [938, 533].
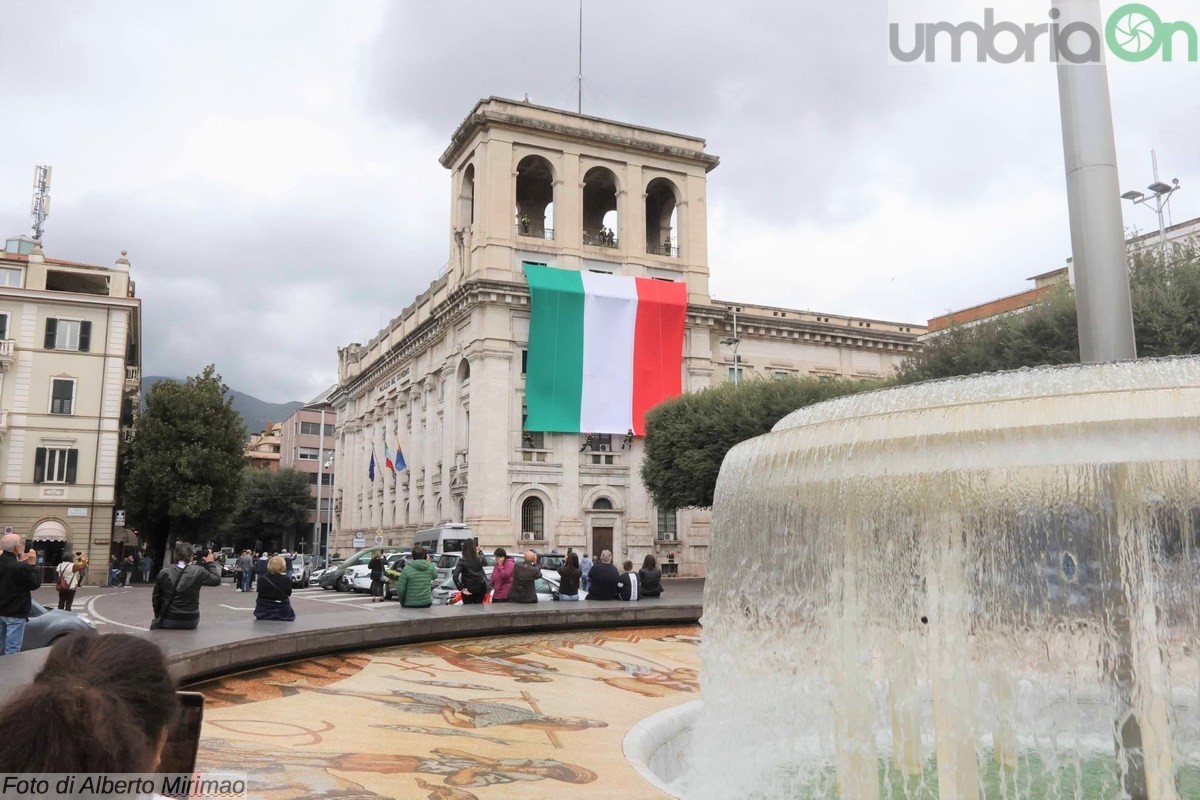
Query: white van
[448, 538]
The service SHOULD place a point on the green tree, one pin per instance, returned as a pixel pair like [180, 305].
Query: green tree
[185, 461]
[687, 437]
[272, 505]
[1164, 293]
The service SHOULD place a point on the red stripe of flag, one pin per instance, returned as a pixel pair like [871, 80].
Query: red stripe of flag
[657, 346]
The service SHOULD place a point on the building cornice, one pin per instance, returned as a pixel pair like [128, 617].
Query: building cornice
[70, 298]
[505, 113]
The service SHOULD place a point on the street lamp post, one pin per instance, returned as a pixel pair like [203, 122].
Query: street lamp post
[1160, 195]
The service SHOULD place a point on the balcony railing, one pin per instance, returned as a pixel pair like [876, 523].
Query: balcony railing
[533, 231]
[600, 238]
[663, 249]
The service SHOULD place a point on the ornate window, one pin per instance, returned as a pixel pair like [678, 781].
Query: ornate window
[533, 517]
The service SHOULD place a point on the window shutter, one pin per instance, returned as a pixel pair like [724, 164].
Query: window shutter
[72, 464]
[51, 332]
[39, 465]
[3, 326]
[85, 336]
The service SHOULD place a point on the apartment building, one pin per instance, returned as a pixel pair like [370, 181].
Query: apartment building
[70, 383]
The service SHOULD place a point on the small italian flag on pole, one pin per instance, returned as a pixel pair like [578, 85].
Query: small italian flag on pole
[603, 349]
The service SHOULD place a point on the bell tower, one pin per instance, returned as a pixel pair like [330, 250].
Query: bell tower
[541, 185]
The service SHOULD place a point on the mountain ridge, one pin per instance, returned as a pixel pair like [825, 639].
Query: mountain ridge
[255, 413]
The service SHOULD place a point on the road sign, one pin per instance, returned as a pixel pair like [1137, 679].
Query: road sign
[378, 538]
[119, 519]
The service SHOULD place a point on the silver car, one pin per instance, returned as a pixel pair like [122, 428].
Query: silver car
[47, 625]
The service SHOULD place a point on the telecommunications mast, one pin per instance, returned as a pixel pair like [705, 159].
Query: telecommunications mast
[41, 199]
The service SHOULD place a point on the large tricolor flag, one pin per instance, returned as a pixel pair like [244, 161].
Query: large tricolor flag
[603, 349]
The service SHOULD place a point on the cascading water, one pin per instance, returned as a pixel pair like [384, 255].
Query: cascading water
[976, 588]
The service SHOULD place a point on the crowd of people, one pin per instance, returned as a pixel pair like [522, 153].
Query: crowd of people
[512, 582]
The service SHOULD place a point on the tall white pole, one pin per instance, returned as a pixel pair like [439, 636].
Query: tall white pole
[737, 361]
[1093, 199]
[317, 526]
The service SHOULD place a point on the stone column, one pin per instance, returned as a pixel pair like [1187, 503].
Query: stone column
[494, 437]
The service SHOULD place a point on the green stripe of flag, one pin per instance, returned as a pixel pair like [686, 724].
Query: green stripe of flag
[554, 373]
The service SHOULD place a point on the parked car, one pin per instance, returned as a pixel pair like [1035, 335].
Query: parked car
[551, 560]
[333, 578]
[315, 578]
[358, 577]
[302, 569]
[446, 563]
[49, 624]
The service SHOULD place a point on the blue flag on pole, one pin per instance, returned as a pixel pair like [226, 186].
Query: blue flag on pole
[400, 463]
[371, 467]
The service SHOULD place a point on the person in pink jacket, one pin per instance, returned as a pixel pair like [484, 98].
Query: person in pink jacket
[502, 576]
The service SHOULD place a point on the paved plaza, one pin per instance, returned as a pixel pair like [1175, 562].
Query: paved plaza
[539, 715]
[128, 610]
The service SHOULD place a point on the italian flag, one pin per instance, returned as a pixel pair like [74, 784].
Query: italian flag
[603, 350]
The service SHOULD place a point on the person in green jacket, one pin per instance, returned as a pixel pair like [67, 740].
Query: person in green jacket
[414, 586]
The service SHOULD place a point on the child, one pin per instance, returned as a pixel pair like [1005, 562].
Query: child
[628, 585]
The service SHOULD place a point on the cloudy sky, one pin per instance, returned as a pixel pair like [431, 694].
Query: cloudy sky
[271, 165]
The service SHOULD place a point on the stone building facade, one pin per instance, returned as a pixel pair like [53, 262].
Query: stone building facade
[445, 379]
[70, 384]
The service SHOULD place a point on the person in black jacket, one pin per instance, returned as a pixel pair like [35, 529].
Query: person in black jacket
[176, 596]
[603, 579]
[375, 567]
[275, 593]
[649, 578]
[18, 577]
[469, 576]
[525, 575]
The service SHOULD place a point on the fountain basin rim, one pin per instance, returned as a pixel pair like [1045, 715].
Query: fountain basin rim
[651, 733]
[1028, 383]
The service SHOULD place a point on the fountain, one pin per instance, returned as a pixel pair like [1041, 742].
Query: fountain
[986, 587]
[964, 589]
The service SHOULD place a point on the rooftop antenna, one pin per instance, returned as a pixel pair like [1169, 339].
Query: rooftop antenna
[579, 106]
[41, 199]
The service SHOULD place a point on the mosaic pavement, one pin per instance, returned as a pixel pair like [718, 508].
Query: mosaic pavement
[473, 719]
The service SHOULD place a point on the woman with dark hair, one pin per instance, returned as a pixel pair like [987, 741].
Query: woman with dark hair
[502, 575]
[570, 575]
[274, 603]
[376, 567]
[99, 704]
[649, 578]
[469, 576]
